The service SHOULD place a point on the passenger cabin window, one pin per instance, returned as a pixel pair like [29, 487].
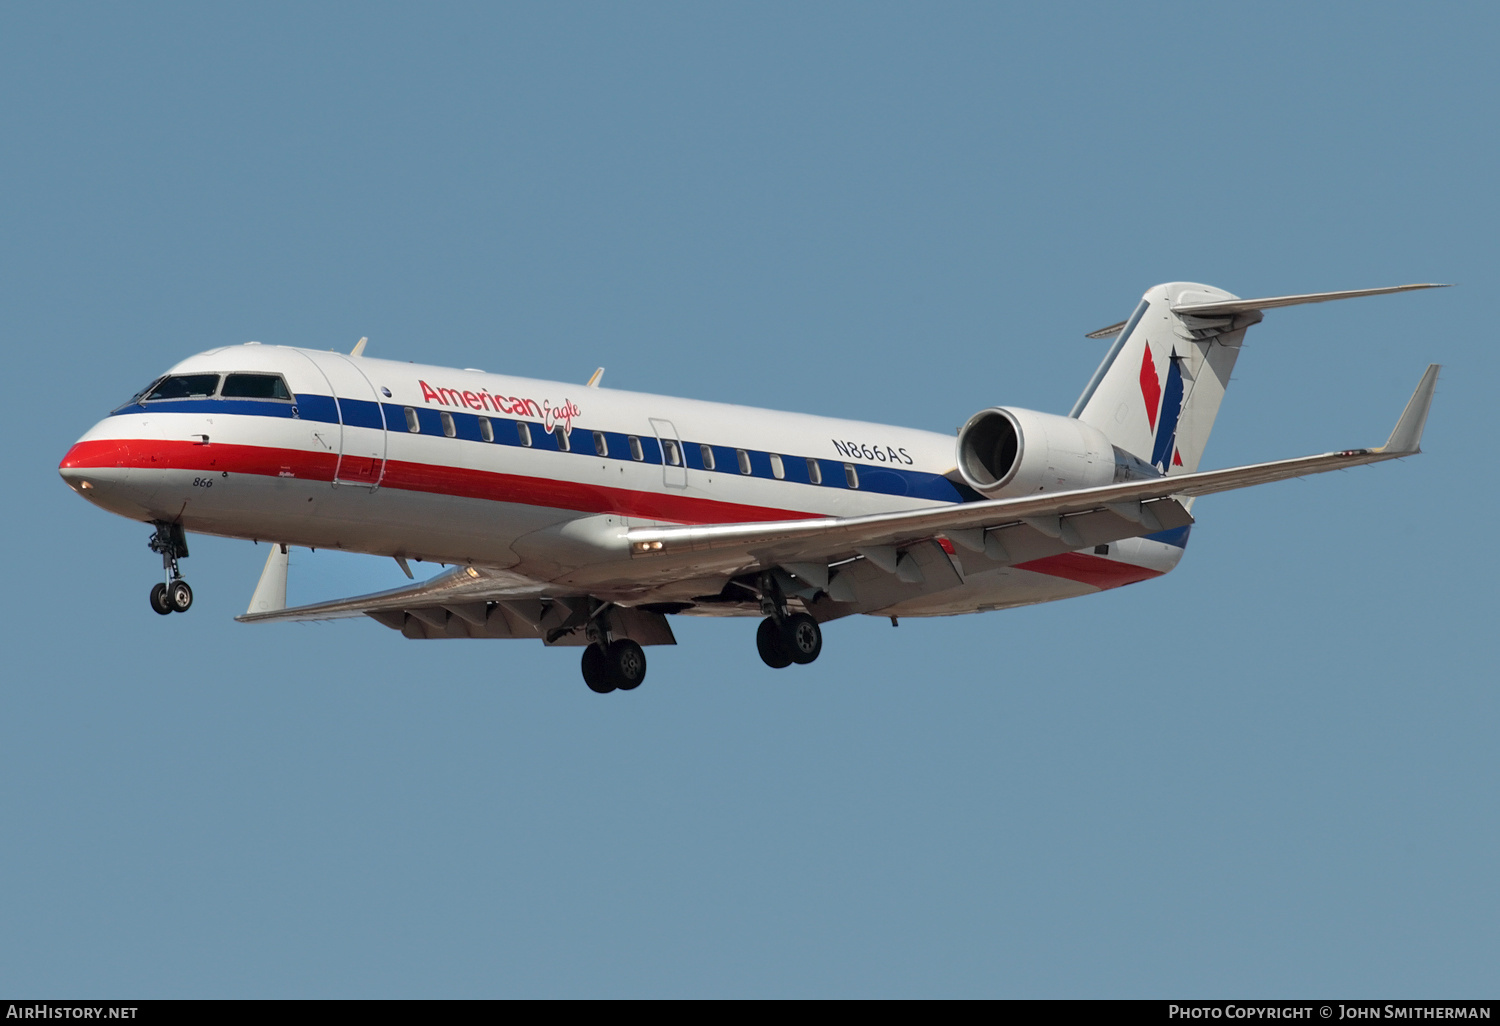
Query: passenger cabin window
[412, 424]
[744, 458]
[448, 428]
[778, 470]
[523, 432]
[851, 475]
[670, 451]
[708, 456]
[184, 386]
[563, 443]
[485, 430]
[636, 452]
[255, 386]
[601, 444]
[814, 471]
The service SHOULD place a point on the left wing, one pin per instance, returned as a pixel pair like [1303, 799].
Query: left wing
[472, 602]
[459, 586]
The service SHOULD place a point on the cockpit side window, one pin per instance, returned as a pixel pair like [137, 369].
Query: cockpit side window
[255, 386]
[144, 392]
[140, 396]
[184, 386]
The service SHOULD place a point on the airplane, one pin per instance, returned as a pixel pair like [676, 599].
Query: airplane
[586, 516]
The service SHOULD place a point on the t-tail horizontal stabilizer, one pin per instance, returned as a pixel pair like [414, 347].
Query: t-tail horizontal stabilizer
[1212, 307]
[1231, 306]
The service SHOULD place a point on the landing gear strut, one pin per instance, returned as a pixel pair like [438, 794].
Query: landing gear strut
[785, 637]
[172, 595]
[611, 664]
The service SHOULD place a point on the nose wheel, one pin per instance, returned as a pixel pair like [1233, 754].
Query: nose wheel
[176, 597]
[172, 595]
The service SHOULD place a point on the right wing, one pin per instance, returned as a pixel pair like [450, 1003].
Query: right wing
[1075, 519]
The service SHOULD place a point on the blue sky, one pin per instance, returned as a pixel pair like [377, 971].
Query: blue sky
[1271, 773]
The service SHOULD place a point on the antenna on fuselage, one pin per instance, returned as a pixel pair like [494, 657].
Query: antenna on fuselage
[359, 347]
[594, 381]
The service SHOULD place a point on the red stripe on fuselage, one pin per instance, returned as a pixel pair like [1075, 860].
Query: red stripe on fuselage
[419, 477]
[157, 454]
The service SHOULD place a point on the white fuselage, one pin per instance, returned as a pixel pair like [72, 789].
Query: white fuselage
[461, 466]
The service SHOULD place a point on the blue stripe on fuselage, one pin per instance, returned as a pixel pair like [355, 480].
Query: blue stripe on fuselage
[881, 479]
[1176, 537]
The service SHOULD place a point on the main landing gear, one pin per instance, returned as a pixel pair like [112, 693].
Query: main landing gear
[617, 666]
[784, 637]
[173, 595]
[611, 664]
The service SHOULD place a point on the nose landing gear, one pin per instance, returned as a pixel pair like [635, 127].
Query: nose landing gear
[172, 595]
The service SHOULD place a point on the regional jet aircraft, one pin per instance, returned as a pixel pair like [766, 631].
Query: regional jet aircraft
[585, 516]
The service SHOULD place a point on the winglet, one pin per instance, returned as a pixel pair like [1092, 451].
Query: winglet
[359, 347]
[1407, 437]
[594, 380]
[270, 593]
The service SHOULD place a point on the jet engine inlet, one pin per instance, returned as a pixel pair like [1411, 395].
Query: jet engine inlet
[1009, 452]
[987, 449]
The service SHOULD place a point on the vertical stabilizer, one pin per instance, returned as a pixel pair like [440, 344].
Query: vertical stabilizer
[1158, 390]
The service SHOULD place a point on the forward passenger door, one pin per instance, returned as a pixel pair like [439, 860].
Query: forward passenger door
[362, 427]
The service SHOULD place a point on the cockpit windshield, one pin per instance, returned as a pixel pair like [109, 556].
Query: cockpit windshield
[184, 386]
[255, 386]
[242, 385]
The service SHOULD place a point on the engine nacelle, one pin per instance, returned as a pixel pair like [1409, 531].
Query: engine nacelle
[1005, 453]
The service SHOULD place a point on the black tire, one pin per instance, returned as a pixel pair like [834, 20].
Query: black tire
[596, 670]
[627, 664]
[159, 599]
[801, 637]
[179, 596]
[769, 643]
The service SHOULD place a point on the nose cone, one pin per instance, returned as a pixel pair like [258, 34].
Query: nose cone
[98, 469]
